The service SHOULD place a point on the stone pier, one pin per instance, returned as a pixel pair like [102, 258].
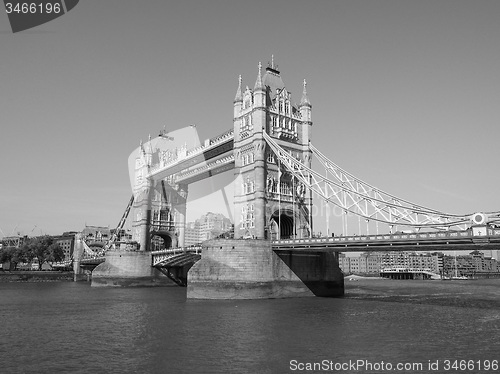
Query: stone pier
[128, 269]
[250, 269]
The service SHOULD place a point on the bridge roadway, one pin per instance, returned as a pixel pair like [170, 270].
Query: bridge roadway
[469, 240]
[425, 241]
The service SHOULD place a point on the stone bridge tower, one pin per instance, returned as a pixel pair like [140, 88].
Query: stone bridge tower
[268, 201]
[159, 209]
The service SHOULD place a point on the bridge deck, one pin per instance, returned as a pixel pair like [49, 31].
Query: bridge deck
[439, 241]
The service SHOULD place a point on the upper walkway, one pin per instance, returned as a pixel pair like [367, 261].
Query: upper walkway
[191, 165]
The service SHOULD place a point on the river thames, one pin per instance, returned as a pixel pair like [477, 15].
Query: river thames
[404, 326]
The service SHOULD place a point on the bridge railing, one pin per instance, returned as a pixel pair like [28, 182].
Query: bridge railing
[164, 254]
[192, 249]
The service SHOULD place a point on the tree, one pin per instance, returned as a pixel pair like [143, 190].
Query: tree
[55, 253]
[6, 254]
[44, 249]
[13, 255]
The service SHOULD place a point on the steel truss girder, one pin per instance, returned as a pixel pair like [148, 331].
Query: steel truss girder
[353, 195]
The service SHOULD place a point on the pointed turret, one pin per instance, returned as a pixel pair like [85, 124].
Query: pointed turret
[304, 101]
[259, 91]
[258, 83]
[238, 100]
[305, 109]
[238, 96]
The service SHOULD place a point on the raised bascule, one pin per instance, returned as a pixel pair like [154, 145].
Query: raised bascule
[273, 253]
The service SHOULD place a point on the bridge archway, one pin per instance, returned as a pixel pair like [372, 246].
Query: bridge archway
[282, 224]
[169, 240]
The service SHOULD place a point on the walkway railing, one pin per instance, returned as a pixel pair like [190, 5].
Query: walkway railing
[164, 254]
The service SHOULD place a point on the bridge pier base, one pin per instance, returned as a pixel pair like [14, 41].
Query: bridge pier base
[128, 269]
[250, 269]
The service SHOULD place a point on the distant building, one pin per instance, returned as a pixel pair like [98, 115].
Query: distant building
[191, 234]
[67, 243]
[208, 226]
[449, 266]
[374, 262]
[14, 241]
[469, 265]
[96, 234]
[411, 260]
[365, 263]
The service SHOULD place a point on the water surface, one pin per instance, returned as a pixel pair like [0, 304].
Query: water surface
[70, 327]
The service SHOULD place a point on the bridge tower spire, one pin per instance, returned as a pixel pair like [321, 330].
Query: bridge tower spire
[238, 100]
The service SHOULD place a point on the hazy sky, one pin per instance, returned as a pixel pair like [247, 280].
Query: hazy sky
[405, 95]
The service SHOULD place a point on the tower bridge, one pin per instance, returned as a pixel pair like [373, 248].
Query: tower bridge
[269, 150]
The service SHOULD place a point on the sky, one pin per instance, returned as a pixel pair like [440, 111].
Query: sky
[405, 96]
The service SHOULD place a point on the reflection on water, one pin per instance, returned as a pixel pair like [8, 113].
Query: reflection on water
[71, 327]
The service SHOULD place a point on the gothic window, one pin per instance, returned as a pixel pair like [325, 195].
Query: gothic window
[139, 177]
[274, 121]
[280, 106]
[270, 158]
[287, 107]
[251, 160]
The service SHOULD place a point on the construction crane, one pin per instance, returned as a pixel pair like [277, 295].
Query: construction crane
[119, 228]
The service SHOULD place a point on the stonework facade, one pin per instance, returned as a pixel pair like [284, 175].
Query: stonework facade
[268, 201]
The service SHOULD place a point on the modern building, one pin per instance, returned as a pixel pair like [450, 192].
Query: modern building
[14, 241]
[208, 226]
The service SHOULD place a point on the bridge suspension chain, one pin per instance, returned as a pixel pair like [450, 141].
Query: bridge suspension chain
[362, 199]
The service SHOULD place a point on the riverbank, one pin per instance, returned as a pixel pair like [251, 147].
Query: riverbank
[36, 276]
